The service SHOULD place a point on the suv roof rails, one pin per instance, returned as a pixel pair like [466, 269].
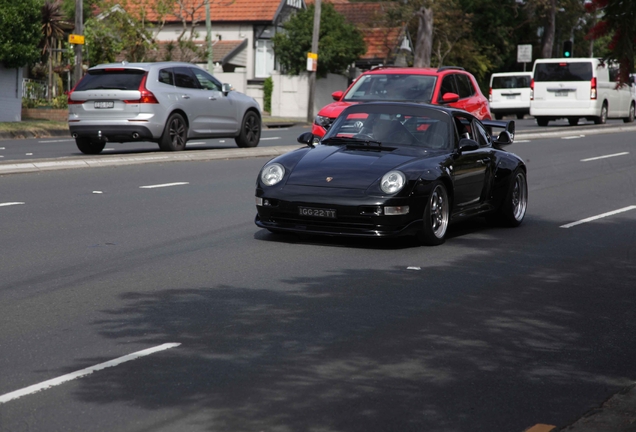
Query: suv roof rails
[443, 68]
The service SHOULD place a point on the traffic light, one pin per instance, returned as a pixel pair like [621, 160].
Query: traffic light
[567, 48]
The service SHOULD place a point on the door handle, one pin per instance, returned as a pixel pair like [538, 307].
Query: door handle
[185, 96]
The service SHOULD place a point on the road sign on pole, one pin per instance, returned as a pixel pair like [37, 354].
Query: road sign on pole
[524, 54]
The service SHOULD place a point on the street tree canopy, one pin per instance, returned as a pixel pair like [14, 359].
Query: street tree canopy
[340, 42]
[20, 32]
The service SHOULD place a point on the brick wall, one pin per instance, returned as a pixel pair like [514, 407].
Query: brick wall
[45, 113]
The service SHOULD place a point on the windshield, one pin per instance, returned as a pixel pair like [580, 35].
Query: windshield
[115, 78]
[393, 87]
[511, 82]
[391, 125]
[566, 71]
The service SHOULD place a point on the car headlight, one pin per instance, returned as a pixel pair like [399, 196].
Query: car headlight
[323, 121]
[392, 182]
[272, 174]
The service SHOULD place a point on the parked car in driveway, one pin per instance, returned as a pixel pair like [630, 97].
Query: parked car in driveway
[165, 102]
[575, 88]
[387, 169]
[448, 85]
[509, 93]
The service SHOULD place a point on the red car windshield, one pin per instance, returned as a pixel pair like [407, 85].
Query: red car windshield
[392, 87]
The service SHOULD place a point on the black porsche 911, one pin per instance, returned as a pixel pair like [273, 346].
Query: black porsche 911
[391, 169]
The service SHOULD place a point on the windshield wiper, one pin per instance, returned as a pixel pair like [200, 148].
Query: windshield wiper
[351, 141]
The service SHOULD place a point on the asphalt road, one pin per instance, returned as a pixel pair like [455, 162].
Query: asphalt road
[496, 330]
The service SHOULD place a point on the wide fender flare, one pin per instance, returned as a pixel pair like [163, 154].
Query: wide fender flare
[423, 184]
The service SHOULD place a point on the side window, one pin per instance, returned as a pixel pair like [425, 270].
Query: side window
[207, 81]
[464, 86]
[184, 78]
[166, 77]
[464, 128]
[613, 74]
[448, 86]
[481, 135]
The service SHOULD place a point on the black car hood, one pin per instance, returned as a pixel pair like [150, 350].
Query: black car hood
[342, 167]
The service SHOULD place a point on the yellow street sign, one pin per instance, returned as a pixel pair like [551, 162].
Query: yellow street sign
[76, 39]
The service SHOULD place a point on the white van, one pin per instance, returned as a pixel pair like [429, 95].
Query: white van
[510, 94]
[575, 88]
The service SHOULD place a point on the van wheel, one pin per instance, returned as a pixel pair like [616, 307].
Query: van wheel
[250, 133]
[498, 116]
[175, 134]
[602, 119]
[630, 118]
[520, 116]
[542, 121]
[86, 146]
[573, 121]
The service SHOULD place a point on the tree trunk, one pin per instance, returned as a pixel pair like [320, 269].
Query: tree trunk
[424, 39]
[548, 33]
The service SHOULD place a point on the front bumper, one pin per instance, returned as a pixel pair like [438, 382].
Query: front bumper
[357, 215]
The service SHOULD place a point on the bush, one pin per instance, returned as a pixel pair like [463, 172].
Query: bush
[59, 102]
[268, 87]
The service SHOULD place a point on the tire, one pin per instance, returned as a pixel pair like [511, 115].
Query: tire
[602, 119]
[175, 134]
[513, 209]
[498, 116]
[436, 216]
[542, 121]
[250, 133]
[630, 117]
[573, 121]
[520, 116]
[86, 146]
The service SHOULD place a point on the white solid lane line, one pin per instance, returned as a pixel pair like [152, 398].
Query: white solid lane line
[573, 137]
[163, 185]
[270, 138]
[604, 157]
[80, 373]
[55, 141]
[593, 218]
[10, 204]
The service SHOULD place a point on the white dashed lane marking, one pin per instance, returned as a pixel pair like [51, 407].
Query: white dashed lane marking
[83, 372]
[163, 185]
[604, 215]
[7, 204]
[604, 157]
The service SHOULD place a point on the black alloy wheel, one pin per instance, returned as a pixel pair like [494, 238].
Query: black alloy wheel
[250, 133]
[86, 146]
[175, 134]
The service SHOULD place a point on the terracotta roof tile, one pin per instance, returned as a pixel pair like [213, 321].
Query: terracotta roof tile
[381, 42]
[220, 10]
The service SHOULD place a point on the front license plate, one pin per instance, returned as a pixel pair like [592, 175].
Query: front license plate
[561, 94]
[316, 212]
[104, 104]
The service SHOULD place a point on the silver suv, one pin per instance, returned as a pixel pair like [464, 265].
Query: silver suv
[166, 102]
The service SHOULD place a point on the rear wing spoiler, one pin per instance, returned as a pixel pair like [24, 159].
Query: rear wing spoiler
[507, 126]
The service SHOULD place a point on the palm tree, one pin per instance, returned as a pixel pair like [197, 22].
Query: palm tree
[54, 24]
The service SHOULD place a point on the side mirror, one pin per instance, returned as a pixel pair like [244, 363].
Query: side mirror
[226, 88]
[466, 144]
[306, 138]
[337, 95]
[450, 97]
[504, 138]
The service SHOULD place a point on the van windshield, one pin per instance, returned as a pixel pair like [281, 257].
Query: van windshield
[574, 71]
[511, 82]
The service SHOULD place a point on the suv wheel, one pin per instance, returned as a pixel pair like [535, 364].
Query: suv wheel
[175, 134]
[86, 146]
[250, 133]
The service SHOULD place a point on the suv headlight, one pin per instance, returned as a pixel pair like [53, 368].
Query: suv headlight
[272, 174]
[323, 121]
[392, 182]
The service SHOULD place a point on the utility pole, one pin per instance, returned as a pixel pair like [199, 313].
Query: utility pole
[79, 29]
[312, 73]
[208, 29]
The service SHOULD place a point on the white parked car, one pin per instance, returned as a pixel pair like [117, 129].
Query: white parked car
[510, 94]
[575, 88]
[165, 102]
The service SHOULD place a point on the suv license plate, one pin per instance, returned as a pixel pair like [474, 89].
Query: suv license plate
[104, 104]
[316, 212]
[561, 94]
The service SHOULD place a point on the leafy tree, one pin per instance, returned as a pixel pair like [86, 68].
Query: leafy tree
[618, 21]
[340, 43]
[19, 32]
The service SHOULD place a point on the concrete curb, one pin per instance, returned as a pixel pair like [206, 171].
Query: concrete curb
[103, 161]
